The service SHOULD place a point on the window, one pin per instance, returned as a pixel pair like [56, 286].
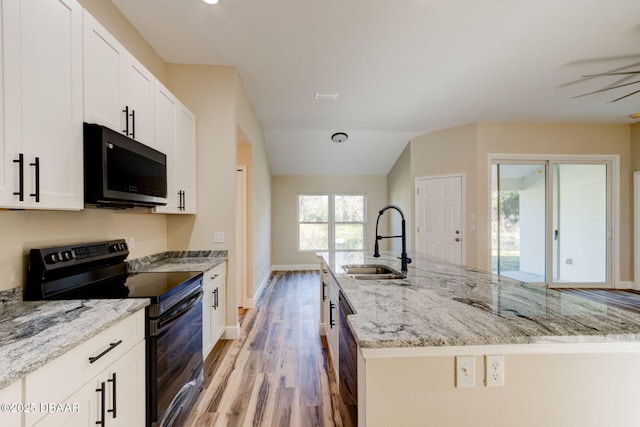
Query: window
[331, 222]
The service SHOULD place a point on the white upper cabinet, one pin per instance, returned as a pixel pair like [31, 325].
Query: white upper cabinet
[41, 149]
[176, 137]
[118, 90]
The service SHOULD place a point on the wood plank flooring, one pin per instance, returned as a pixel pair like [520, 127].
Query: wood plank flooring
[624, 299]
[277, 373]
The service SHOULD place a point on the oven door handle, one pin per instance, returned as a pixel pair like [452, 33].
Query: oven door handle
[180, 311]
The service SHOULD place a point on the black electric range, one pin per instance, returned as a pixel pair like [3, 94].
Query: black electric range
[174, 317]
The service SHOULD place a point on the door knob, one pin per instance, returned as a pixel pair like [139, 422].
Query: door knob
[457, 231]
[457, 239]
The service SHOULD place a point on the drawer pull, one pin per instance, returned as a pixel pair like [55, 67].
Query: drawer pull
[111, 347]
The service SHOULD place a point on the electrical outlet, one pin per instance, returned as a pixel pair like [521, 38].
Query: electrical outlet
[132, 243]
[218, 237]
[494, 374]
[465, 371]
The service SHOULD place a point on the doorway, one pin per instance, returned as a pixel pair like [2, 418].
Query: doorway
[551, 221]
[241, 235]
[439, 220]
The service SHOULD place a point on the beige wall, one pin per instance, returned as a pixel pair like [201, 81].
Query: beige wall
[400, 192]
[209, 92]
[554, 139]
[284, 228]
[114, 21]
[260, 196]
[466, 149]
[449, 151]
[24, 230]
[570, 390]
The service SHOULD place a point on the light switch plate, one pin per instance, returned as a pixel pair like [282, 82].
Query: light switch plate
[218, 237]
[465, 371]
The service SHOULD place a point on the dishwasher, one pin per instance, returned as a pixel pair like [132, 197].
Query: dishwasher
[347, 365]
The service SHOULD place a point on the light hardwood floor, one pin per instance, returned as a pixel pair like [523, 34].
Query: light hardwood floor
[277, 373]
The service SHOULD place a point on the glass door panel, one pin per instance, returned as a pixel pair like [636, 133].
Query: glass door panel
[518, 202]
[580, 237]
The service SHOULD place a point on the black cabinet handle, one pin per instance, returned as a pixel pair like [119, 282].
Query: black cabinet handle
[332, 306]
[184, 200]
[133, 124]
[102, 392]
[126, 120]
[36, 164]
[111, 347]
[20, 192]
[215, 298]
[113, 396]
[324, 295]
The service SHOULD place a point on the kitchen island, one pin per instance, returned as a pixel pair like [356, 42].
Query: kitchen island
[565, 360]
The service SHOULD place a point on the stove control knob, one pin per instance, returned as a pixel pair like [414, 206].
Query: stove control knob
[68, 255]
[123, 246]
[52, 258]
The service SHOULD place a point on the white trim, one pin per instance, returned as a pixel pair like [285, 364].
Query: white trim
[506, 349]
[627, 285]
[241, 236]
[463, 212]
[295, 267]
[231, 332]
[554, 158]
[251, 302]
[636, 228]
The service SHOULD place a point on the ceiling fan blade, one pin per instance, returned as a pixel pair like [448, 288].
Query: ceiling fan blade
[606, 89]
[623, 97]
[618, 73]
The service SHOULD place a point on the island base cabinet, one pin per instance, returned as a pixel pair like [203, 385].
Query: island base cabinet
[12, 394]
[583, 387]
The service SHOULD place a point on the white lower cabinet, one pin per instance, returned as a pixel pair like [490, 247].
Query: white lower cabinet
[101, 382]
[332, 318]
[213, 309]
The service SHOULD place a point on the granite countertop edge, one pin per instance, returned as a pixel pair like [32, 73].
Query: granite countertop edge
[170, 261]
[34, 333]
[444, 305]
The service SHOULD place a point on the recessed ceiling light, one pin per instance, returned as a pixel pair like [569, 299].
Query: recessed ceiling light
[210, 1]
[339, 137]
[326, 96]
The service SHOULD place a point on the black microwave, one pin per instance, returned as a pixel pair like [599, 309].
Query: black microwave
[120, 172]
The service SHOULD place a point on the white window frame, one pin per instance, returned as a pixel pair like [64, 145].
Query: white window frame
[614, 231]
[331, 222]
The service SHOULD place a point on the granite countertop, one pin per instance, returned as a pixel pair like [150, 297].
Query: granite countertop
[33, 333]
[177, 261]
[441, 304]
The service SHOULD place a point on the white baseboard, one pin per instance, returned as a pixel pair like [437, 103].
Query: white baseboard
[295, 267]
[232, 332]
[628, 285]
[251, 302]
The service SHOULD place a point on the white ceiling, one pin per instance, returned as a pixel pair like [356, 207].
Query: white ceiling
[402, 68]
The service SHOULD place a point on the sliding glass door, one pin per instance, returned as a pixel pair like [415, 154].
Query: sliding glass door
[551, 222]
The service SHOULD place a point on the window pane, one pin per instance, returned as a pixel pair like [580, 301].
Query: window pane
[349, 237]
[519, 221]
[314, 237]
[349, 208]
[580, 223]
[313, 208]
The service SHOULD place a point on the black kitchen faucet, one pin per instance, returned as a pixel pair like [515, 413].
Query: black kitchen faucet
[403, 257]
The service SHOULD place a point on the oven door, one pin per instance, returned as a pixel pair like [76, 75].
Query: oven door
[175, 362]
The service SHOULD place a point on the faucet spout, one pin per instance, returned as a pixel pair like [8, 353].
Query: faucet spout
[376, 251]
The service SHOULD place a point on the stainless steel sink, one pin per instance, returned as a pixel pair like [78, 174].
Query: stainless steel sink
[371, 272]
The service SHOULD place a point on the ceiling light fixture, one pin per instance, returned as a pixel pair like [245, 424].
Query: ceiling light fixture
[326, 96]
[339, 137]
[635, 116]
[210, 1]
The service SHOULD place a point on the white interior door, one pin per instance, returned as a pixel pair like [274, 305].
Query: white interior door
[439, 230]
